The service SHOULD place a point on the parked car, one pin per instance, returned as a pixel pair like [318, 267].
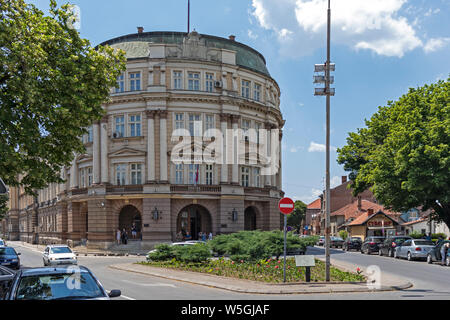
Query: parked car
[371, 244]
[58, 254]
[58, 283]
[434, 255]
[336, 242]
[9, 258]
[6, 278]
[413, 249]
[388, 246]
[321, 241]
[352, 243]
[2, 243]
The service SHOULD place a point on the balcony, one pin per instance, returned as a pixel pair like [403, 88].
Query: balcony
[124, 189]
[256, 191]
[195, 188]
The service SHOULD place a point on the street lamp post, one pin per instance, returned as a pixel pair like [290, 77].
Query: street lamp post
[326, 79]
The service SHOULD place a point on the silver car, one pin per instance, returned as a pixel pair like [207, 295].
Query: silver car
[58, 254]
[414, 249]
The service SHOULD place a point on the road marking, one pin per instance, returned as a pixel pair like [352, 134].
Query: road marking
[128, 298]
[151, 284]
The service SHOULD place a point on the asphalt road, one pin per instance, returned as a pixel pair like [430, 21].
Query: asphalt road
[430, 281]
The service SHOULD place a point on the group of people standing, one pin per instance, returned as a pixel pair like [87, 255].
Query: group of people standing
[122, 235]
[185, 236]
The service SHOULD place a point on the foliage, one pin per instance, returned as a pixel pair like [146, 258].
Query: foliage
[296, 218]
[194, 253]
[416, 235]
[343, 234]
[52, 87]
[3, 205]
[403, 154]
[162, 252]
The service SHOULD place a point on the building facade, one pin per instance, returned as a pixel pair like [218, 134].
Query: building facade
[190, 142]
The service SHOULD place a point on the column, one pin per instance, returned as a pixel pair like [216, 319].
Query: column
[151, 146]
[96, 153]
[104, 150]
[163, 146]
[224, 166]
[236, 140]
[74, 174]
[268, 128]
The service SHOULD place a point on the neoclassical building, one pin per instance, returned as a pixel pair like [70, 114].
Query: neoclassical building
[180, 92]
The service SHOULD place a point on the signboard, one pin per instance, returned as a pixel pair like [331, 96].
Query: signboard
[286, 206]
[305, 261]
[380, 223]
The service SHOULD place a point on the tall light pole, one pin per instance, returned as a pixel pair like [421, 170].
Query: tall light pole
[326, 79]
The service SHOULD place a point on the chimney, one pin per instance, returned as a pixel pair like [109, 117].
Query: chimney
[232, 37]
[344, 179]
[140, 29]
[359, 203]
[370, 211]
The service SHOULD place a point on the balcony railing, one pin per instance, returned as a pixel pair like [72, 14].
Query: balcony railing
[257, 191]
[124, 189]
[76, 192]
[195, 188]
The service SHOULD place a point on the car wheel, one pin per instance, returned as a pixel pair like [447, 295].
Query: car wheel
[380, 253]
[396, 255]
[447, 261]
[409, 256]
[429, 259]
[390, 253]
[45, 264]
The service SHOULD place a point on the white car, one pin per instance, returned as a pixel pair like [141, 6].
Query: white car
[59, 254]
[2, 243]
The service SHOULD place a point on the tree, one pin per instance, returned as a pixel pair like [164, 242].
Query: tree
[296, 218]
[403, 155]
[52, 86]
[3, 205]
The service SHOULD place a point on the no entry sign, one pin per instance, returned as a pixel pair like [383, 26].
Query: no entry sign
[286, 205]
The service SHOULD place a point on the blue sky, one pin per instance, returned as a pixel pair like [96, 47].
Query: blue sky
[380, 47]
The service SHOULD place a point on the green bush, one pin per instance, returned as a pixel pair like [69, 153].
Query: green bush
[343, 234]
[163, 252]
[438, 236]
[196, 253]
[416, 235]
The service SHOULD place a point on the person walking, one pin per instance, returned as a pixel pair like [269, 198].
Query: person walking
[118, 235]
[444, 250]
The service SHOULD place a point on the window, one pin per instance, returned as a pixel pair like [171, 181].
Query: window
[195, 125]
[82, 181]
[245, 89]
[121, 173]
[119, 126]
[209, 83]
[257, 177]
[135, 81]
[245, 128]
[179, 174]
[193, 173]
[209, 174]
[134, 125]
[90, 135]
[209, 122]
[245, 175]
[194, 81]
[179, 121]
[136, 173]
[257, 92]
[177, 80]
[120, 84]
[257, 127]
[89, 176]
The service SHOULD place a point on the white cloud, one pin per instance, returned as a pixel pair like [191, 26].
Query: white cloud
[300, 25]
[435, 44]
[335, 181]
[295, 149]
[317, 147]
[252, 35]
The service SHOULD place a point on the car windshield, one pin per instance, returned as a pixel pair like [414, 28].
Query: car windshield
[377, 240]
[400, 240]
[423, 243]
[60, 250]
[7, 252]
[58, 286]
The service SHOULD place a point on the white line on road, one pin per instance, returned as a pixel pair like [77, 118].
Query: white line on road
[151, 284]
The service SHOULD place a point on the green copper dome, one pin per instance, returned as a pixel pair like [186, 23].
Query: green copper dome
[245, 56]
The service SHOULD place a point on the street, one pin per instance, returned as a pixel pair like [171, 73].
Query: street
[430, 281]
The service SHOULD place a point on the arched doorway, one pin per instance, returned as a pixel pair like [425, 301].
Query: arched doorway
[250, 219]
[128, 216]
[193, 219]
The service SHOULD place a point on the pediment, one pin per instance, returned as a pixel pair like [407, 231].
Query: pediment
[127, 152]
[84, 157]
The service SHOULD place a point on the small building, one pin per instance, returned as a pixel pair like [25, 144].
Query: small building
[380, 223]
[312, 215]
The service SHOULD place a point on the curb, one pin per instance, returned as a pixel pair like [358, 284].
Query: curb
[253, 287]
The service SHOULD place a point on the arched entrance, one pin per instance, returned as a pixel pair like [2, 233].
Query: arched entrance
[193, 219]
[250, 219]
[128, 216]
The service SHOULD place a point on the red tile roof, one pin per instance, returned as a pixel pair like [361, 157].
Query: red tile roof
[314, 205]
[415, 221]
[365, 216]
[351, 210]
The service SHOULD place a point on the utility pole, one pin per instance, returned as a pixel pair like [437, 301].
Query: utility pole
[326, 79]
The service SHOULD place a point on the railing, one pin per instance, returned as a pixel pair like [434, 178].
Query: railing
[257, 191]
[197, 188]
[124, 189]
[79, 191]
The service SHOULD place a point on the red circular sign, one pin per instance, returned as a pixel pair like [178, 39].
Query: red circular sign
[286, 205]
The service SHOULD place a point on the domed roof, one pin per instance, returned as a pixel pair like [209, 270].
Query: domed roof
[136, 46]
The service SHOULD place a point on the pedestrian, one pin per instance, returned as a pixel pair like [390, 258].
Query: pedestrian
[133, 231]
[444, 250]
[203, 236]
[118, 235]
[188, 236]
[200, 235]
[124, 236]
[179, 237]
[428, 236]
[210, 237]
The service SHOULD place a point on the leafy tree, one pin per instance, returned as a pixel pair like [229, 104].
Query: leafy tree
[403, 154]
[3, 205]
[52, 86]
[296, 218]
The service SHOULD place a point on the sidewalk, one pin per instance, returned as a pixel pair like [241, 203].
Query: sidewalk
[389, 283]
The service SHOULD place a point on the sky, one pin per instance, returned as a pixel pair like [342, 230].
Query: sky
[381, 48]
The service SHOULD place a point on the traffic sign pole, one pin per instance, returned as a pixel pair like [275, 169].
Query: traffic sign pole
[286, 206]
[285, 227]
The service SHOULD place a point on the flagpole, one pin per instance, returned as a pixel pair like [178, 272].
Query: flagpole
[189, 16]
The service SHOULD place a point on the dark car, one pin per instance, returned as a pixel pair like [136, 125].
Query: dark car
[9, 258]
[371, 244]
[352, 243]
[388, 246]
[58, 283]
[336, 242]
[434, 255]
[6, 278]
